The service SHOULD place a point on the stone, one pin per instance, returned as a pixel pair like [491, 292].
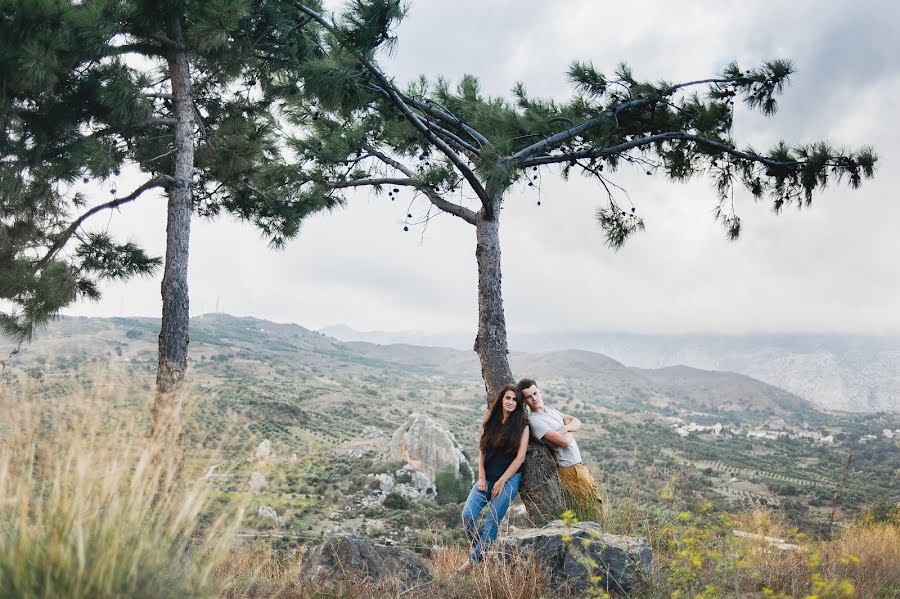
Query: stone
[267, 513]
[264, 449]
[428, 447]
[623, 563]
[386, 481]
[343, 560]
[257, 482]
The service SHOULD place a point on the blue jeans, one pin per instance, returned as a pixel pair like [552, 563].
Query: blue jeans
[482, 536]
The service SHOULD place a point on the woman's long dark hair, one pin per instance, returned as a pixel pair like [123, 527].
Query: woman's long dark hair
[504, 436]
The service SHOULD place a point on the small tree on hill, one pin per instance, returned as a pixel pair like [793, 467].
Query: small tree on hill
[442, 142]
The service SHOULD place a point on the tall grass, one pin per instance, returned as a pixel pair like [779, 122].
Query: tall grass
[92, 510]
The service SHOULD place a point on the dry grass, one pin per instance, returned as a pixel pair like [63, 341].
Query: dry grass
[93, 510]
[516, 578]
[81, 516]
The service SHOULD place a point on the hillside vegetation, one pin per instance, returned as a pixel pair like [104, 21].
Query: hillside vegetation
[328, 408]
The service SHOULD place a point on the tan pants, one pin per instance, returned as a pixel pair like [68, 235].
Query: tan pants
[577, 481]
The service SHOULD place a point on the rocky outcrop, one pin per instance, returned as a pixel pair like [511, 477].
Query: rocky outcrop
[264, 449]
[257, 482]
[428, 447]
[623, 563]
[343, 560]
[267, 513]
[406, 482]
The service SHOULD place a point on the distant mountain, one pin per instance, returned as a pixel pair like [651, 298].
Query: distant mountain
[456, 340]
[287, 357]
[853, 373]
[723, 391]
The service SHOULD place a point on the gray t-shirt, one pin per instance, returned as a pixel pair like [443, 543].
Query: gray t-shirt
[552, 420]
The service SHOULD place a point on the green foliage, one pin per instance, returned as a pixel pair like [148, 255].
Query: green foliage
[440, 139]
[882, 511]
[78, 108]
[396, 501]
[451, 488]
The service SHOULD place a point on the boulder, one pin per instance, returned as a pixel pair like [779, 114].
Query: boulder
[346, 560]
[257, 482]
[264, 449]
[386, 481]
[267, 513]
[622, 563]
[427, 447]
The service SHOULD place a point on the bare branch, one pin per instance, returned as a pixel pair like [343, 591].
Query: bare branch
[372, 182]
[64, 237]
[453, 139]
[434, 197]
[447, 117]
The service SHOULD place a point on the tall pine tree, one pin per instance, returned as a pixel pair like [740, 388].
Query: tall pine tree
[184, 94]
[437, 140]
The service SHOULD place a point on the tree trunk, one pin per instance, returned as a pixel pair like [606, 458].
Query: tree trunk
[173, 335]
[490, 343]
[539, 489]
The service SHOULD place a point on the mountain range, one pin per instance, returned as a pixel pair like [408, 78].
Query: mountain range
[853, 373]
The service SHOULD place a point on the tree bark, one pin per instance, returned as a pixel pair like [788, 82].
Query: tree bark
[490, 342]
[539, 489]
[173, 335]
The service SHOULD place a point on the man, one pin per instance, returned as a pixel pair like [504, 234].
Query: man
[557, 431]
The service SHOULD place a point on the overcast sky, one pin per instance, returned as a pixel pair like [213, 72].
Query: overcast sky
[832, 268]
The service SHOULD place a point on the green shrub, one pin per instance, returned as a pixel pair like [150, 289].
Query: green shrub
[451, 488]
[396, 501]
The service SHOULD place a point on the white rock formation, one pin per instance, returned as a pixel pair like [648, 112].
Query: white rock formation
[267, 513]
[257, 482]
[427, 447]
[264, 449]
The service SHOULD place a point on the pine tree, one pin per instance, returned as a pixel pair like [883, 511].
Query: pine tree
[440, 141]
[186, 95]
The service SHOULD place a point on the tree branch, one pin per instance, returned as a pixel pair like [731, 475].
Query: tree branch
[161, 121]
[448, 135]
[64, 237]
[144, 49]
[652, 139]
[434, 197]
[447, 117]
[545, 145]
[375, 181]
[395, 98]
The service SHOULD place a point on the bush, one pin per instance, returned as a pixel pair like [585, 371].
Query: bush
[451, 488]
[396, 501]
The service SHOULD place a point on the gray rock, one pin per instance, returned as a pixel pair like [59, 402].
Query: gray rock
[257, 482]
[623, 563]
[264, 449]
[427, 447]
[267, 513]
[386, 481]
[345, 560]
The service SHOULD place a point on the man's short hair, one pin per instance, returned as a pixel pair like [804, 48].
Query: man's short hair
[526, 383]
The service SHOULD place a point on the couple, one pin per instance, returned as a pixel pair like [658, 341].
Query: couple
[501, 452]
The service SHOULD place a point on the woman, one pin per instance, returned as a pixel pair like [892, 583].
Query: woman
[501, 451]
